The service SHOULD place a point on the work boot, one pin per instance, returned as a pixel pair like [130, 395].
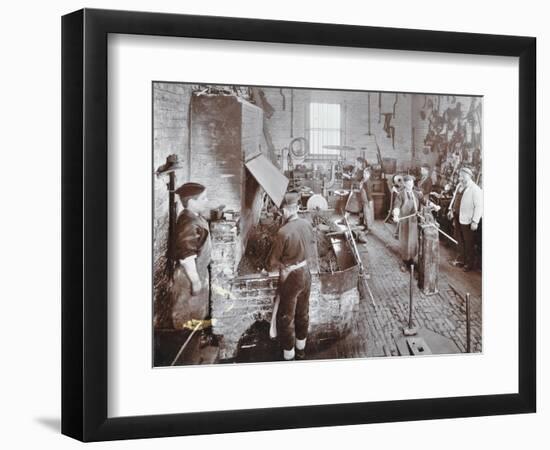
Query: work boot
[300, 355]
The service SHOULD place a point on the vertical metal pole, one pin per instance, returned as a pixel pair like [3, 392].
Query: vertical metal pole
[413, 143]
[292, 114]
[171, 222]
[411, 297]
[369, 111]
[468, 350]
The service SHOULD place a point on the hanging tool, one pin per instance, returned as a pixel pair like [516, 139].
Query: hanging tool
[284, 98]
[357, 256]
[388, 128]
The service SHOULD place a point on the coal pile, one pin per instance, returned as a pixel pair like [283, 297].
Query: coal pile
[260, 242]
[327, 257]
[258, 248]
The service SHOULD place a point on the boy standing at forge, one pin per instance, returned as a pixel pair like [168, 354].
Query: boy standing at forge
[289, 255]
[191, 248]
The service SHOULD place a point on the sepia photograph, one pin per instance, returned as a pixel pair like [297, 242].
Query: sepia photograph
[296, 224]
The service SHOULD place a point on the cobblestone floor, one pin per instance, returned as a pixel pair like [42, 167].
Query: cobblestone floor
[376, 329]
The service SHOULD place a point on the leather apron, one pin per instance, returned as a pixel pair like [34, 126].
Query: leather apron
[408, 229]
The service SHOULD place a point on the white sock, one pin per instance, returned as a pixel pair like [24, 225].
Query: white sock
[301, 343]
[288, 354]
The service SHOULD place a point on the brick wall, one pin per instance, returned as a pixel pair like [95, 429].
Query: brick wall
[355, 114]
[216, 156]
[170, 136]
[355, 126]
[225, 131]
[212, 135]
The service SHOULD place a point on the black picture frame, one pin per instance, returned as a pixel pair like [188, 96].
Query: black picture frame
[84, 224]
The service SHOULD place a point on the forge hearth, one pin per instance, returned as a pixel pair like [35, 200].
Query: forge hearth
[242, 295]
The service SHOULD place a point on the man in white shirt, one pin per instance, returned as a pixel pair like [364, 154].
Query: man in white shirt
[466, 209]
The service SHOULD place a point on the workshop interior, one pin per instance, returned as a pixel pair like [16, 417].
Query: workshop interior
[294, 224]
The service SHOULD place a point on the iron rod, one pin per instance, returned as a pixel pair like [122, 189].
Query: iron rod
[411, 297]
[468, 349]
[182, 348]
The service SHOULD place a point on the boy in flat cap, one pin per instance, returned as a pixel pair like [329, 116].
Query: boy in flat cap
[191, 250]
[291, 249]
[465, 210]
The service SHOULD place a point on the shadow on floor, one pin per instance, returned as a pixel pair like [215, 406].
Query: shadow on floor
[52, 423]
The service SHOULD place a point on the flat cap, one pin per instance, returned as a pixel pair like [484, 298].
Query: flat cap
[467, 170]
[188, 190]
[290, 198]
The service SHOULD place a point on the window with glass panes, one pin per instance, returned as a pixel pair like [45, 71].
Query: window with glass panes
[324, 128]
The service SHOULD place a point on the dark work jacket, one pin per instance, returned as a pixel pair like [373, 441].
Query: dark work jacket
[191, 238]
[367, 188]
[293, 244]
[408, 203]
[425, 186]
[190, 235]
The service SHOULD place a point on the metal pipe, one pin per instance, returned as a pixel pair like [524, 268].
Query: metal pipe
[413, 143]
[468, 350]
[369, 111]
[284, 98]
[443, 233]
[185, 343]
[292, 113]
[407, 217]
[171, 223]
[357, 256]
